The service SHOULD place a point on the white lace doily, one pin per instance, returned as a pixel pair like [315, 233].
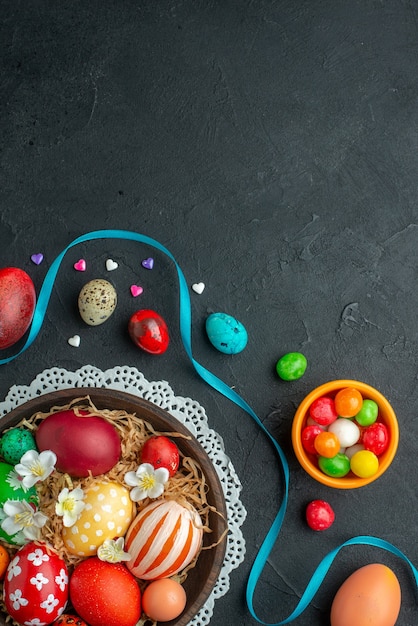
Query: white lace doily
[188, 412]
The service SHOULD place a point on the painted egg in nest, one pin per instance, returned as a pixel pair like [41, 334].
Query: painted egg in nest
[65, 619]
[36, 584]
[163, 538]
[83, 443]
[97, 301]
[10, 490]
[107, 514]
[14, 443]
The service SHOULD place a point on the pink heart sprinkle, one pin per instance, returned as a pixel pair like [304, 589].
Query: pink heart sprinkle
[136, 290]
[80, 266]
[37, 258]
[148, 263]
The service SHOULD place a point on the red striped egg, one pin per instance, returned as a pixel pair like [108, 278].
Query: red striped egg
[163, 538]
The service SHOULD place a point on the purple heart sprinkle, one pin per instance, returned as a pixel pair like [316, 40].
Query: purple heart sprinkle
[37, 258]
[148, 263]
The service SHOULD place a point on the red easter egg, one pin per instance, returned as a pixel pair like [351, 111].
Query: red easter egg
[160, 451]
[17, 304]
[149, 331]
[36, 585]
[82, 443]
[163, 538]
[66, 619]
[105, 593]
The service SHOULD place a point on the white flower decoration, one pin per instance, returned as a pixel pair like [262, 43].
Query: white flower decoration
[62, 579]
[36, 466]
[18, 600]
[50, 603]
[14, 568]
[38, 557]
[112, 551]
[15, 481]
[70, 505]
[147, 482]
[39, 580]
[21, 516]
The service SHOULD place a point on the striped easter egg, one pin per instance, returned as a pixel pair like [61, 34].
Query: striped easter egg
[163, 538]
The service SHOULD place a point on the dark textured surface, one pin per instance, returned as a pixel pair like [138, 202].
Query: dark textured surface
[271, 146]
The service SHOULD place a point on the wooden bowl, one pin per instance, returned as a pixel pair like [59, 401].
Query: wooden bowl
[309, 462]
[203, 577]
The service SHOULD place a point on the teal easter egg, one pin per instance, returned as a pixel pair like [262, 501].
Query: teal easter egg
[14, 443]
[226, 333]
[10, 490]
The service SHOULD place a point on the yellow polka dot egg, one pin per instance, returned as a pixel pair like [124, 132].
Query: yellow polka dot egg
[107, 514]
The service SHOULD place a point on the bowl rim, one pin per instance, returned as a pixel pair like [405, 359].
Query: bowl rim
[130, 402]
[346, 482]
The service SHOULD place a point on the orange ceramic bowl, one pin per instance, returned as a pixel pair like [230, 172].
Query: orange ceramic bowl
[309, 461]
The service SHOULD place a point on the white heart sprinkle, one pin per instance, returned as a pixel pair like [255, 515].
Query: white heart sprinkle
[74, 341]
[198, 287]
[111, 265]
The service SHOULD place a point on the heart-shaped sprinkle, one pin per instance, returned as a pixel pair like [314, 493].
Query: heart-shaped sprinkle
[136, 290]
[148, 263]
[111, 265]
[74, 341]
[198, 287]
[37, 258]
[80, 266]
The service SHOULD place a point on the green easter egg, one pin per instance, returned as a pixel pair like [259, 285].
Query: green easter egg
[9, 492]
[14, 443]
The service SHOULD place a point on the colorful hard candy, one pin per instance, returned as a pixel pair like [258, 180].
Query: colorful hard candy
[17, 304]
[149, 331]
[226, 333]
[96, 301]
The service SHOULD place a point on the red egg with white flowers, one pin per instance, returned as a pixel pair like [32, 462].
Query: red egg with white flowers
[36, 585]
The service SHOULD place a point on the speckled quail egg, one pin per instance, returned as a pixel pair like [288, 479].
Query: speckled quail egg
[97, 301]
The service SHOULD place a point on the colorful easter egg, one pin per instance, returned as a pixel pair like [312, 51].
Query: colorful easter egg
[17, 304]
[97, 301]
[10, 490]
[82, 443]
[15, 442]
[105, 593]
[36, 585]
[107, 514]
[148, 331]
[226, 333]
[66, 619]
[160, 451]
[163, 538]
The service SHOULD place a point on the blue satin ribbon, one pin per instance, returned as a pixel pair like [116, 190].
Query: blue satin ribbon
[217, 384]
